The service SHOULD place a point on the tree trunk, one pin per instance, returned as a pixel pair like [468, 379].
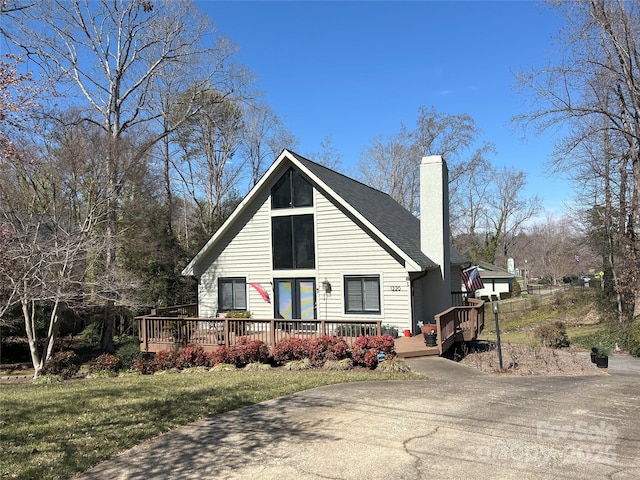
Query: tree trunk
[167, 184]
[30, 326]
[635, 237]
[52, 333]
[106, 343]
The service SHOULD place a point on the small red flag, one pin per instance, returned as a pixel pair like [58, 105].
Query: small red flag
[263, 293]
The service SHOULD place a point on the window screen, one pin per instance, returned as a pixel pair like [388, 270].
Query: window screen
[362, 294]
[293, 242]
[292, 191]
[232, 294]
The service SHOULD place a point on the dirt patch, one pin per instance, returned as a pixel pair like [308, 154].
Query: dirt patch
[519, 359]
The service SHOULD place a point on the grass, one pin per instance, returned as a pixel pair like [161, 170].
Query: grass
[54, 431]
[574, 308]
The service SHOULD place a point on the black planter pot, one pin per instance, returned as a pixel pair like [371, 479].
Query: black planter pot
[602, 361]
[430, 339]
[593, 357]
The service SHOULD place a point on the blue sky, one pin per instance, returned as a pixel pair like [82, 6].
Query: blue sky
[355, 70]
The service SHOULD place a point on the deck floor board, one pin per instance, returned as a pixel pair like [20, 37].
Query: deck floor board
[407, 347]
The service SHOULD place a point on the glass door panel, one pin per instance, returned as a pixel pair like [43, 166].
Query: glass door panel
[307, 295]
[295, 298]
[284, 304]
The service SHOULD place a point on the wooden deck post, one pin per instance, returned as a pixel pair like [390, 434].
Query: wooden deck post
[143, 333]
[272, 333]
[439, 333]
[473, 320]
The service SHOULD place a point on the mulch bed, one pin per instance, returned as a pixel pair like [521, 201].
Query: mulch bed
[519, 359]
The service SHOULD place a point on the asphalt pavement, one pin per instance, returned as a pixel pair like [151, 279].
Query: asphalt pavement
[457, 424]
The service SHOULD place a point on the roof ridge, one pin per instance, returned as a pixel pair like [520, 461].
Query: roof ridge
[331, 170]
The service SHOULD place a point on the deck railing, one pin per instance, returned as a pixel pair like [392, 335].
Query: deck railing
[171, 332]
[188, 310]
[174, 327]
[461, 323]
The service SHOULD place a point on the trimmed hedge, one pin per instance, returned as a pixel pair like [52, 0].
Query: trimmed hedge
[314, 352]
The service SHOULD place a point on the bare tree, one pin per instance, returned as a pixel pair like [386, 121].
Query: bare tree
[595, 88]
[263, 139]
[329, 156]
[176, 95]
[18, 94]
[600, 175]
[469, 208]
[209, 141]
[108, 54]
[385, 164]
[508, 211]
[557, 249]
[44, 256]
[391, 164]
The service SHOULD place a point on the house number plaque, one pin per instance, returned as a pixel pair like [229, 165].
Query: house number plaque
[396, 288]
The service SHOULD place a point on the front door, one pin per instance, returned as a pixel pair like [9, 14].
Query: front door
[295, 298]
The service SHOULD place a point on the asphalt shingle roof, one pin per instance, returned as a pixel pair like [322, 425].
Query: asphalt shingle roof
[392, 219]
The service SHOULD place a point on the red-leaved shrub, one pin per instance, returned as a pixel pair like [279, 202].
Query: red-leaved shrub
[366, 349]
[250, 351]
[193, 356]
[221, 354]
[290, 349]
[164, 360]
[143, 364]
[245, 352]
[381, 343]
[326, 348]
[106, 363]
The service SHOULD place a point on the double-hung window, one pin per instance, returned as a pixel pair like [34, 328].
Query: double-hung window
[362, 294]
[232, 294]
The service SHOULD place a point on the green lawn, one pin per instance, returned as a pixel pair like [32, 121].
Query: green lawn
[517, 325]
[54, 431]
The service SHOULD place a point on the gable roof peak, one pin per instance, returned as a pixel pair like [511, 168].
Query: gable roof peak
[385, 218]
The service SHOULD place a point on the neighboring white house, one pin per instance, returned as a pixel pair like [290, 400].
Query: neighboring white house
[496, 281]
[308, 242]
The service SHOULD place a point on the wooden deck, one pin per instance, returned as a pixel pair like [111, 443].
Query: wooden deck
[407, 347]
[176, 327]
[158, 333]
[456, 324]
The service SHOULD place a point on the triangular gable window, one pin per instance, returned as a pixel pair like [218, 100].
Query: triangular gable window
[292, 191]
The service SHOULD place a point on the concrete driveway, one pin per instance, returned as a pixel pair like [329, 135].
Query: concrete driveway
[458, 424]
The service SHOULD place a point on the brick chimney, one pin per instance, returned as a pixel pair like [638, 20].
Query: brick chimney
[434, 227]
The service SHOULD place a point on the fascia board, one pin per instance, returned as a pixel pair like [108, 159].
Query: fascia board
[410, 264]
[189, 269]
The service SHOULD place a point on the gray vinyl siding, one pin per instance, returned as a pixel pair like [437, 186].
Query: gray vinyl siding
[245, 252]
[343, 248]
